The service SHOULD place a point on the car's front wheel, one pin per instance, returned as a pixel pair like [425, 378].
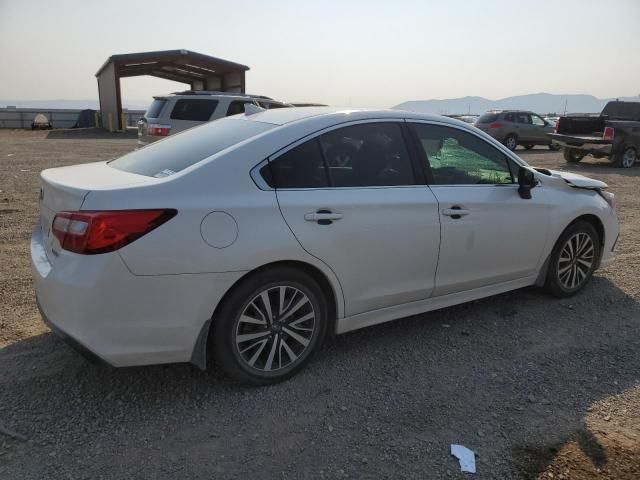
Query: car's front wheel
[573, 260]
[269, 326]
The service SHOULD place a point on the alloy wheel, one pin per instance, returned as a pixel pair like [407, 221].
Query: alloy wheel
[576, 260]
[275, 329]
[511, 143]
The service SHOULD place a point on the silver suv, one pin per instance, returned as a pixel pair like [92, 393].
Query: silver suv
[517, 127]
[178, 111]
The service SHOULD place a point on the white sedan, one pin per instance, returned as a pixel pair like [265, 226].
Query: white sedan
[250, 239]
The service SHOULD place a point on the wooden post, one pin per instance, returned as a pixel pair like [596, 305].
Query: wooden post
[110, 122]
[123, 122]
[96, 119]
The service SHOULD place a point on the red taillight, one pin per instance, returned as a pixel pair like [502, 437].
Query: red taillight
[495, 125]
[93, 232]
[608, 134]
[159, 130]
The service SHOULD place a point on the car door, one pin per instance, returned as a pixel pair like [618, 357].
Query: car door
[523, 127]
[489, 234]
[540, 128]
[352, 199]
[190, 112]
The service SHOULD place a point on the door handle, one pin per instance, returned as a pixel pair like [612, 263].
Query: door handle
[455, 212]
[323, 217]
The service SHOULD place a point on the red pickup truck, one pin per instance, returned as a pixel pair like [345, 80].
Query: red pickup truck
[615, 134]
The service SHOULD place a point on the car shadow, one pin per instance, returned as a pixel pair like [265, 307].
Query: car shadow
[510, 377]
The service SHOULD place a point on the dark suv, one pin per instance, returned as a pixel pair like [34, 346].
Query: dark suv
[517, 127]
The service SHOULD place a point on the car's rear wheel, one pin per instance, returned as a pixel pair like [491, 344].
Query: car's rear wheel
[528, 146]
[511, 142]
[269, 326]
[626, 157]
[573, 260]
[572, 155]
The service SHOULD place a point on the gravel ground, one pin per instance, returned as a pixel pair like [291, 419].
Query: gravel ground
[537, 387]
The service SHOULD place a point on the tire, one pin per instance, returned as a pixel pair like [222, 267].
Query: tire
[511, 141]
[528, 146]
[627, 157]
[554, 147]
[572, 155]
[283, 344]
[568, 272]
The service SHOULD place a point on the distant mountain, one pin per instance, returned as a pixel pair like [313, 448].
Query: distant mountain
[70, 104]
[542, 103]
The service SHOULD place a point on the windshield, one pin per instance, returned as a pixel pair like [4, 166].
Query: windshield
[177, 152]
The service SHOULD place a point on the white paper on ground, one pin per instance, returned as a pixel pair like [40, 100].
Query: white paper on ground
[466, 458]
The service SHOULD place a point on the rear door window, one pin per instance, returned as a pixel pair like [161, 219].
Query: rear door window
[198, 110]
[300, 167]
[509, 117]
[366, 155]
[523, 118]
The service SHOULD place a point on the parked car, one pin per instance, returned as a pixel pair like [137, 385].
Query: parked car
[170, 114]
[244, 240]
[516, 127]
[41, 122]
[615, 134]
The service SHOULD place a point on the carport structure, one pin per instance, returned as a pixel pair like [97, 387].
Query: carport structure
[199, 71]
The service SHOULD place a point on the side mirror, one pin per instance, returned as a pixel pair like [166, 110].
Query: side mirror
[526, 180]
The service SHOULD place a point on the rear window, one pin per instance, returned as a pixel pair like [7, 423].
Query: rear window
[198, 110]
[177, 152]
[155, 108]
[488, 118]
[622, 110]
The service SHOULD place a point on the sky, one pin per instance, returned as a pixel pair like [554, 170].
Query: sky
[365, 53]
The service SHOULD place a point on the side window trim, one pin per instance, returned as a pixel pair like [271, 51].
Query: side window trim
[421, 155]
[316, 135]
[509, 155]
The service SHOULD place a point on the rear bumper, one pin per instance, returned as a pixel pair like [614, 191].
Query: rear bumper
[69, 340]
[95, 303]
[586, 144]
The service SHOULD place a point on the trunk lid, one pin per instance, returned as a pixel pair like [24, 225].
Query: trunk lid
[65, 188]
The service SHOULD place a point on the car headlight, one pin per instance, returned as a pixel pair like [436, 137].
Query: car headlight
[609, 197]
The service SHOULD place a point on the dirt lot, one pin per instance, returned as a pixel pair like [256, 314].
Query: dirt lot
[537, 387]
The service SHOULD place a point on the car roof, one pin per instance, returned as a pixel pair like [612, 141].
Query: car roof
[282, 116]
[212, 93]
